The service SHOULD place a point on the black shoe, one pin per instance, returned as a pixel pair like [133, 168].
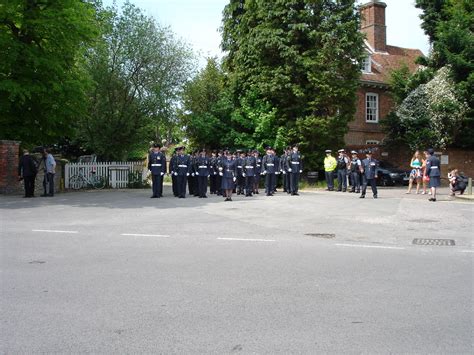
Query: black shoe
[362, 196]
[344, 190]
[375, 196]
[296, 194]
[153, 196]
[204, 197]
[432, 199]
[351, 191]
[358, 192]
[44, 195]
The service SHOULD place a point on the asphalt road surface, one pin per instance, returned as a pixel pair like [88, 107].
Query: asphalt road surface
[114, 272]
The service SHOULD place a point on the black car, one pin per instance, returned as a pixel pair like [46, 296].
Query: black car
[388, 175]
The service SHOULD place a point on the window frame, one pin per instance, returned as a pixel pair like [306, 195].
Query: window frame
[377, 104]
[366, 65]
[372, 142]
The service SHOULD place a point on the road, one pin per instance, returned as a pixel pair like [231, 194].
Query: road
[116, 272]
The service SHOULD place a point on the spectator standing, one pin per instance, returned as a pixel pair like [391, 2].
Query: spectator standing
[27, 171]
[416, 175]
[342, 167]
[49, 173]
[330, 164]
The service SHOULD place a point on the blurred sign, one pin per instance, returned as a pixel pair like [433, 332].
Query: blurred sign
[444, 159]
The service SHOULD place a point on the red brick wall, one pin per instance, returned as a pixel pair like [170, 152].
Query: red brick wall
[373, 25]
[359, 130]
[9, 158]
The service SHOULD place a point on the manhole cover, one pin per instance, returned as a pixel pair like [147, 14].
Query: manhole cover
[37, 262]
[321, 235]
[439, 242]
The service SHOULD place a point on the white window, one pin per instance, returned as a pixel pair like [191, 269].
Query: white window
[372, 142]
[371, 107]
[366, 65]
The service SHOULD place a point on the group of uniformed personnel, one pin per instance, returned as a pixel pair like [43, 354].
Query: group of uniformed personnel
[225, 172]
[361, 173]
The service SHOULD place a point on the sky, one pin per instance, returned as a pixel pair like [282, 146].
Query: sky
[197, 22]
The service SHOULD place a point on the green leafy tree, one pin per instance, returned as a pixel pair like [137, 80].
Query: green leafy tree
[43, 83]
[301, 58]
[139, 69]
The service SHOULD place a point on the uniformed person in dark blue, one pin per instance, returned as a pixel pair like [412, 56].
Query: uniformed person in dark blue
[433, 170]
[250, 171]
[277, 169]
[192, 180]
[294, 167]
[369, 174]
[213, 173]
[240, 183]
[157, 166]
[202, 168]
[286, 180]
[354, 167]
[174, 182]
[342, 165]
[269, 168]
[228, 172]
[258, 171]
[220, 157]
[182, 170]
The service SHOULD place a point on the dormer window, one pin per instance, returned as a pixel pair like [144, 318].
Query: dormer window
[366, 65]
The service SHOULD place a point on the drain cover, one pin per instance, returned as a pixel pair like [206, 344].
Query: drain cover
[439, 242]
[321, 235]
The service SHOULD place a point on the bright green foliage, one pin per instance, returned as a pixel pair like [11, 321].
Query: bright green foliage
[139, 70]
[42, 80]
[301, 58]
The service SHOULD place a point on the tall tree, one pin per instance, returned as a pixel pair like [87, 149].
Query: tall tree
[301, 57]
[43, 83]
[139, 69]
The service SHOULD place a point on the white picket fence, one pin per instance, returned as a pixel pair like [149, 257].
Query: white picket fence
[115, 173]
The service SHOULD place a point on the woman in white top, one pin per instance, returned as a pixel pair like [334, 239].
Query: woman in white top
[416, 165]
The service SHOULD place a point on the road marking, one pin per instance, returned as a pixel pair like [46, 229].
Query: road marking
[467, 251]
[146, 235]
[369, 246]
[248, 240]
[54, 231]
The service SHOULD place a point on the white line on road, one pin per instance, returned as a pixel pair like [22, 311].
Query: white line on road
[146, 235]
[467, 251]
[54, 231]
[248, 240]
[369, 246]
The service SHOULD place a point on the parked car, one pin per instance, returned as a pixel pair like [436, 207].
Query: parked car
[388, 175]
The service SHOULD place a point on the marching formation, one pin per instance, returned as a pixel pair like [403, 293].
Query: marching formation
[225, 172]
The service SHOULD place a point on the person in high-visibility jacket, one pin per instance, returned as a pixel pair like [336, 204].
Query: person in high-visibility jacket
[330, 164]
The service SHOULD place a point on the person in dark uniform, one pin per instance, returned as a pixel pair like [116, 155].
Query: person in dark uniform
[342, 165]
[27, 170]
[220, 157]
[277, 170]
[228, 172]
[182, 170]
[433, 170]
[157, 166]
[202, 170]
[213, 173]
[354, 167]
[174, 182]
[269, 167]
[369, 173]
[258, 171]
[294, 166]
[239, 160]
[286, 183]
[250, 170]
[192, 182]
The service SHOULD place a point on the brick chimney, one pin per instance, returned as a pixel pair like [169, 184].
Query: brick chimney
[373, 24]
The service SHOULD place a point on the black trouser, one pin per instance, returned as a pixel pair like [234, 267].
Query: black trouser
[174, 184]
[181, 185]
[249, 185]
[270, 180]
[342, 179]
[191, 185]
[240, 184]
[256, 182]
[294, 180]
[202, 185]
[355, 181]
[157, 187]
[48, 184]
[285, 179]
[213, 184]
[29, 182]
[330, 179]
[370, 182]
[219, 185]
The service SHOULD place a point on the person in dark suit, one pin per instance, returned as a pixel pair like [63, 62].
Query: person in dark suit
[157, 166]
[27, 170]
[433, 170]
[182, 170]
[228, 171]
[369, 173]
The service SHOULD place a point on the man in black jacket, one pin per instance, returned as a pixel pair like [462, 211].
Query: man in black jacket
[27, 171]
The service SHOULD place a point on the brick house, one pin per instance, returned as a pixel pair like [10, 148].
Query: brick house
[374, 99]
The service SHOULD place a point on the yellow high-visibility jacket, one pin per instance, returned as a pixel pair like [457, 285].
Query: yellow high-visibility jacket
[330, 164]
